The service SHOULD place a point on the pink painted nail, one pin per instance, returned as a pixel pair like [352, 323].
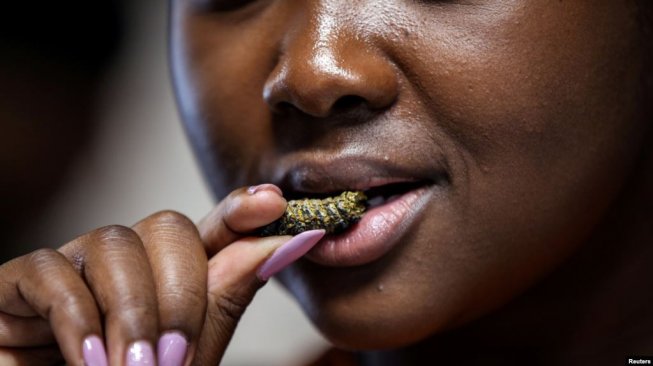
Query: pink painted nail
[172, 349]
[94, 352]
[289, 252]
[140, 354]
[264, 187]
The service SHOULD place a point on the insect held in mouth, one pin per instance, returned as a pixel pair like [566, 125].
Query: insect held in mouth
[333, 214]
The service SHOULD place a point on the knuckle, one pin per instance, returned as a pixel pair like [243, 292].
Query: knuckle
[182, 311]
[77, 260]
[230, 308]
[169, 227]
[182, 296]
[114, 237]
[138, 318]
[115, 233]
[70, 302]
[134, 312]
[170, 217]
[43, 258]
[108, 244]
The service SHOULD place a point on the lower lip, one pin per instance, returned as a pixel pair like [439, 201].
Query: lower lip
[379, 230]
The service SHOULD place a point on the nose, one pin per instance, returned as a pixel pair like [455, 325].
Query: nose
[325, 68]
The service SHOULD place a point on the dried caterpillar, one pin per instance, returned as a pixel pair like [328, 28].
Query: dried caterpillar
[333, 214]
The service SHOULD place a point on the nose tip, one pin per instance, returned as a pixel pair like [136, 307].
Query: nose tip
[325, 83]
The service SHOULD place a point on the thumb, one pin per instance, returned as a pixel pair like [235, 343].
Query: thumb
[235, 274]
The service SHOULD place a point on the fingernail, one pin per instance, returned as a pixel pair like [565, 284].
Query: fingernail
[289, 252]
[264, 187]
[139, 354]
[94, 352]
[172, 348]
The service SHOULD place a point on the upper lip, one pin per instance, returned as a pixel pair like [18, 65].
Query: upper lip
[331, 173]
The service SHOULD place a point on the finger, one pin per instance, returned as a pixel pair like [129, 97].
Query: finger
[240, 213]
[42, 356]
[115, 265]
[55, 291]
[179, 266]
[11, 302]
[18, 331]
[233, 280]
[231, 286]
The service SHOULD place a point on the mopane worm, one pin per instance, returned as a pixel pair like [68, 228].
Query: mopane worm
[333, 214]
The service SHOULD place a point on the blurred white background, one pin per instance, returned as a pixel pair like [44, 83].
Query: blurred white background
[140, 163]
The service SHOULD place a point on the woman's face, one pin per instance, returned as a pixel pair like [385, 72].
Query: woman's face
[504, 129]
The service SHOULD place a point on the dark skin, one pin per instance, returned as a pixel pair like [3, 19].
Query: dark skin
[535, 114]
[526, 122]
[130, 284]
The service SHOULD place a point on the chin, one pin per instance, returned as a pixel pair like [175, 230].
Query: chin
[375, 332]
[368, 307]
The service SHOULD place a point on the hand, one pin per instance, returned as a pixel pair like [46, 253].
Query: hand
[139, 287]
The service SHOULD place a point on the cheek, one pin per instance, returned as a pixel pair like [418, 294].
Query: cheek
[544, 118]
[540, 110]
[504, 82]
[219, 72]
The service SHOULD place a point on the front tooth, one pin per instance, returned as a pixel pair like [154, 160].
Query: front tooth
[376, 201]
[393, 197]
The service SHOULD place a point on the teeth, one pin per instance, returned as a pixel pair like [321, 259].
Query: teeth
[376, 201]
[394, 197]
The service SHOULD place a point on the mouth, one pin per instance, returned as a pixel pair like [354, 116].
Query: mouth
[376, 196]
[395, 202]
[381, 195]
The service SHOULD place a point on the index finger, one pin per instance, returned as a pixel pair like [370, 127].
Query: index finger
[240, 213]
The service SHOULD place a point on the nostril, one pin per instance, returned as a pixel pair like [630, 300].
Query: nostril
[342, 105]
[347, 103]
[284, 107]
